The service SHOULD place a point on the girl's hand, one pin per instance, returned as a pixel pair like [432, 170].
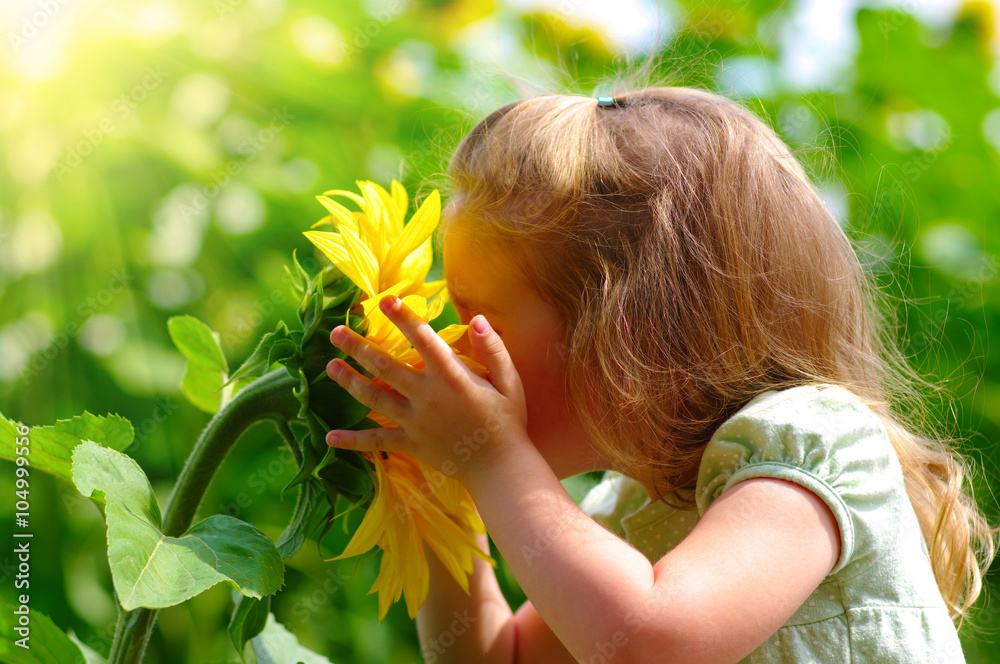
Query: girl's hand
[444, 410]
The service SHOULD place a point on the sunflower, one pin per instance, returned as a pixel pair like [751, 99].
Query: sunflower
[373, 247]
[414, 503]
[383, 256]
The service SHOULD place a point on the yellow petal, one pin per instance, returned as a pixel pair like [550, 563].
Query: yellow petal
[447, 489]
[436, 307]
[332, 244]
[416, 573]
[346, 194]
[416, 232]
[453, 545]
[476, 367]
[400, 203]
[382, 420]
[392, 212]
[378, 229]
[372, 303]
[339, 215]
[429, 289]
[325, 221]
[453, 333]
[365, 265]
[417, 305]
[373, 524]
[388, 584]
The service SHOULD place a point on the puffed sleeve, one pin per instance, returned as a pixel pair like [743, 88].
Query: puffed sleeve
[824, 439]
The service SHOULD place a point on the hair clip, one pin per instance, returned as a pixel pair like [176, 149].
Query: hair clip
[606, 102]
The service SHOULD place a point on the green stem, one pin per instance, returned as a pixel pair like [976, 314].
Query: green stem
[267, 398]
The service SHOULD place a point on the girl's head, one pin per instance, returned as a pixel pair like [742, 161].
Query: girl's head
[691, 266]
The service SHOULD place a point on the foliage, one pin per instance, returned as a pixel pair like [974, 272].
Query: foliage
[160, 158]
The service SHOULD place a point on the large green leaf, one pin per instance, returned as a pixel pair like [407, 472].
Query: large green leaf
[206, 371]
[51, 447]
[276, 645]
[152, 570]
[46, 643]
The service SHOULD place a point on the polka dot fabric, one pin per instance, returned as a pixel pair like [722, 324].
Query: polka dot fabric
[880, 603]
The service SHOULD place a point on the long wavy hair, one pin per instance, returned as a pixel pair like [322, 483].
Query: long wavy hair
[696, 267]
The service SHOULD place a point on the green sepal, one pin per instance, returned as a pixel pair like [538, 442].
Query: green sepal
[335, 406]
[275, 346]
[302, 394]
[309, 460]
[352, 483]
[308, 502]
[299, 278]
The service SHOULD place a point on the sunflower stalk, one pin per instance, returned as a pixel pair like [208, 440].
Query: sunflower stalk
[267, 398]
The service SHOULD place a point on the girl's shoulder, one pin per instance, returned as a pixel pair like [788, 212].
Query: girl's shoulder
[816, 397]
[822, 437]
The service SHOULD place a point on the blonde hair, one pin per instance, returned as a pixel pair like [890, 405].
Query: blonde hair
[690, 257]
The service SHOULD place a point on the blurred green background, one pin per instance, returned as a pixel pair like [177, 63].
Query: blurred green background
[161, 157]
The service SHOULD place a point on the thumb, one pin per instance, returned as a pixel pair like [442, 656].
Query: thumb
[493, 355]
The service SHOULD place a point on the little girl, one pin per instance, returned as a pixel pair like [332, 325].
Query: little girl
[658, 292]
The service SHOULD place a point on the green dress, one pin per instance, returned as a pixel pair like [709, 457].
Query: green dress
[880, 603]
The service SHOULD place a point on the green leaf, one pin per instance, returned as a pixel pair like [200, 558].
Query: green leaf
[249, 619]
[46, 643]
[282, 350]
[276, 645]
[152, 570]
[206, 371]
[203, 387]
[196, 342]
[51, 447]
[90, 655]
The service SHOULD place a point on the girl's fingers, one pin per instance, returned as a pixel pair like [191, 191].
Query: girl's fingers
[434, 351]
[374, 359]
[394, 406]
[369, 440]
[493, 354]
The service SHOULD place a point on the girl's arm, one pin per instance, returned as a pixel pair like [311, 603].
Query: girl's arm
[460, 628]
[757, 553]
[457, 627]
[754, 557]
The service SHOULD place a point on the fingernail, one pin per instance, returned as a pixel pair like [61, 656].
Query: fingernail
[332, 439]
[338, 334]
[388, 303]
[480, 326]
[334, 368]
